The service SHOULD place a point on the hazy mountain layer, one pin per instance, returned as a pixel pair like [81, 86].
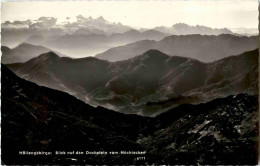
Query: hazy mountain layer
[34, 31]
[17, 32]
[82, 44]
[91, 36]
[185, 29]
[34, 118]
[137, 85]
[22, 53]
[13, 37]
[203, 48]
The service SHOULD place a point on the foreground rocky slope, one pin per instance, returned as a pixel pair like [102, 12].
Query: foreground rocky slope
[34, 118]
[223, 131]
[40, 119]
[147, 84]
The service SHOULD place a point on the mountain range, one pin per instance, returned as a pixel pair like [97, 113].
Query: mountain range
[87, 31]
[88, 44]
[17, 32]
[13, 37]
[201, 47]
[185, 29]
[246, 31]
[36, 119]
[22, 53]
[81, 43]
[137, 85]
[102, 25]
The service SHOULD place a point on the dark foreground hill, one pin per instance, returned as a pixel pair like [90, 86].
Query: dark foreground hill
[147, 84]
[34, 118]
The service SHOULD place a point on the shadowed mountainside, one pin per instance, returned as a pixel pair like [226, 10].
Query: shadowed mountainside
[137, 85]
[34, 118]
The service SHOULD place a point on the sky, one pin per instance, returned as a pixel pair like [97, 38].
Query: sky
[142, 13]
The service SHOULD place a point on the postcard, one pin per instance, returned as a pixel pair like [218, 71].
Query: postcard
[129, 82]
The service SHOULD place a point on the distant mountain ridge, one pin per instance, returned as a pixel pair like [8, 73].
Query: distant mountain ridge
[23, 53]
[81, 22]
[201, 47]
[101, 24]
[185, 29]
[47, 32]
[88, 44]
[17, 32]
[128, 86]
[82, 43]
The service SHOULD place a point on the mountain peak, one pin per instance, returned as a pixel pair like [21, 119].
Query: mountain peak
[132, 31]
[5, 48]
[51, 53]
[152, 31]
[27, 46]
[48, 56]
[24, 45]
[155, 53]
[180, 23]
[101, 19]
[182, 28]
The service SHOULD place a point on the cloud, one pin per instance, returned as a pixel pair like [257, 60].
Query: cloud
[44, 22]
[16, 24]
[80, 18]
